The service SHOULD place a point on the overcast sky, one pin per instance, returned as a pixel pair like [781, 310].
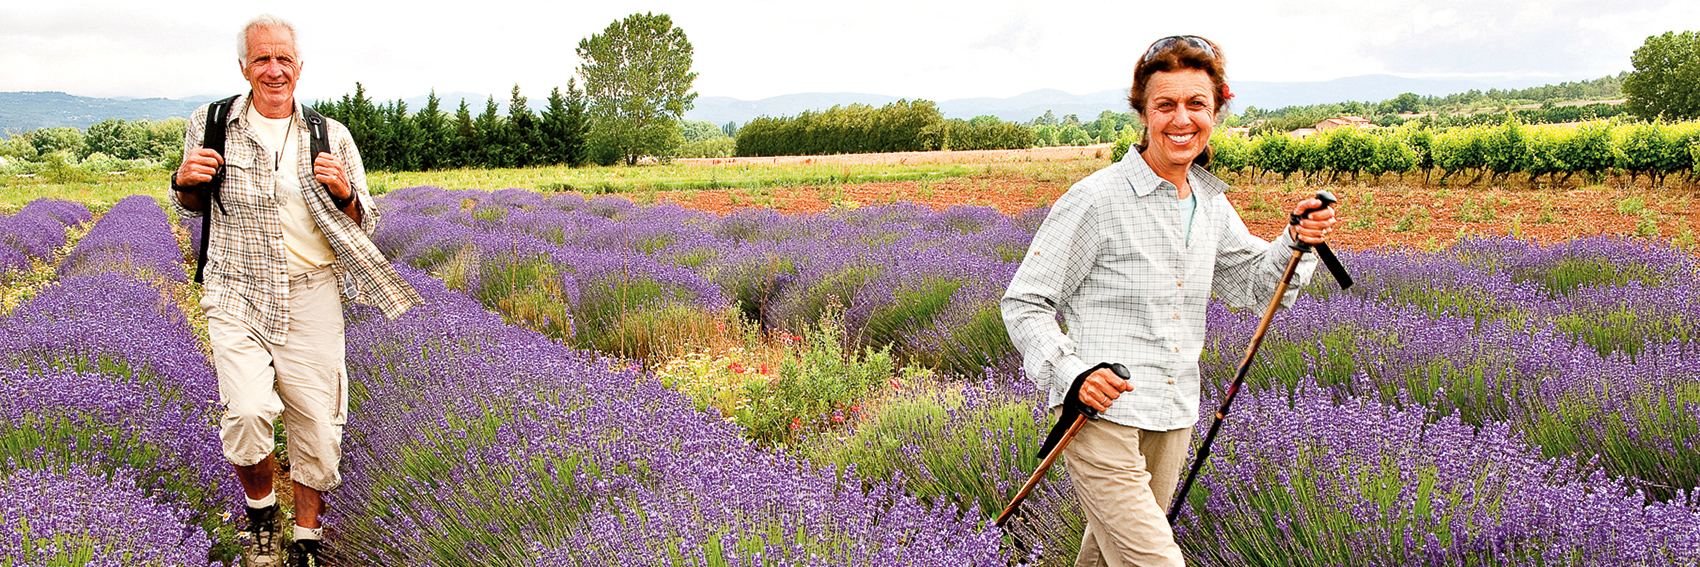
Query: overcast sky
[756, 49]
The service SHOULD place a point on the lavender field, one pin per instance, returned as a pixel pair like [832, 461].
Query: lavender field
[593, 382]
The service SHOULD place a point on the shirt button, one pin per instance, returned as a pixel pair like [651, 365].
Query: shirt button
[1177, 349]
[1178, 284]
[1171, 382]
[1177, 315]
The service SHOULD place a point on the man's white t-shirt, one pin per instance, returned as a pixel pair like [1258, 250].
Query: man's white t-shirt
[305, 246]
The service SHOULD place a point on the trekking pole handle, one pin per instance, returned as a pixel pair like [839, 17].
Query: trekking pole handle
[1293, 219]
[1321, 195]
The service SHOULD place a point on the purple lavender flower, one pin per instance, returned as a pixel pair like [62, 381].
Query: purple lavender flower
[1357, 481]
[546, 449]
[134, 237]
[37, 231]
[77, 516]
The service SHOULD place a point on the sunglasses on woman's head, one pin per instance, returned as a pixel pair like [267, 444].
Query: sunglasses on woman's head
[1164, 43]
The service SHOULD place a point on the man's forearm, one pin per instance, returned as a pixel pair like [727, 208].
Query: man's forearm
[191, 200]
[353, 210]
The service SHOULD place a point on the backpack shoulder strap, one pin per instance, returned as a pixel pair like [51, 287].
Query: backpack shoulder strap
[218, 116]
[318, 126]
[319, 139]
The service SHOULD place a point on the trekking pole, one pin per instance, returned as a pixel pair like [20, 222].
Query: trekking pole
[1299, 250]
[1039, 473]
[1059, 438]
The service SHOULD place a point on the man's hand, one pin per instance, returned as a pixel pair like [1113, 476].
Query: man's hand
[1101, 388]
[1315, 228]
[200, 167]
[328, 170]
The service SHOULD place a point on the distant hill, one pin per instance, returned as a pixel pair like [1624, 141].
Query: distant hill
[1027, 106]
[22, 111]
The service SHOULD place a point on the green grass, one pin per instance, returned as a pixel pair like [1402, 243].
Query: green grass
[643, 180]
[99, 195]
[671, 177]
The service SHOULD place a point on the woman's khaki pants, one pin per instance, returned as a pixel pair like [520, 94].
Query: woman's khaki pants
[1124, 478]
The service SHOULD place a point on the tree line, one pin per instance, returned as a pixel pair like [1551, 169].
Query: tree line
[1557, 152]
[908, 126]
[392, 139]
[109, 145]
[1453, 109]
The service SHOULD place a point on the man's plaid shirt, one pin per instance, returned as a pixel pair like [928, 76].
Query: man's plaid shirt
[1113, 258]
[246, 274]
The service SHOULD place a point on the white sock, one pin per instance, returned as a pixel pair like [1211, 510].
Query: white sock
[302, 532]
[263, 502]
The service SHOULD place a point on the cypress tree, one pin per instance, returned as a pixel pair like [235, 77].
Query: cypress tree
[492, 150]
[407, 141]
[563, 128]
[523, 139]
[464, 147]
[435, 134]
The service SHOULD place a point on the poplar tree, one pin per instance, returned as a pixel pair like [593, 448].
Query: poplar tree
[637, 75]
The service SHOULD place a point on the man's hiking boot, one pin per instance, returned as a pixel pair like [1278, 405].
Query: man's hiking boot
[305, 553]
[264, 545]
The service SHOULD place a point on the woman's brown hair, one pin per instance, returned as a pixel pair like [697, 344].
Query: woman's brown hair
[1179, 56]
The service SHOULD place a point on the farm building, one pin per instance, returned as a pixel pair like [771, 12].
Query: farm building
[1339, 121]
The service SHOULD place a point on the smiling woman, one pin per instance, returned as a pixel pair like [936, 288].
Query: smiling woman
[1128, 258]
[1178, 90]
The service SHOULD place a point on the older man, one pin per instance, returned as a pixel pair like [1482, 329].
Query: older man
[288, 244]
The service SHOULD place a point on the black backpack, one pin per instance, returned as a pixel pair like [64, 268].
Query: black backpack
[218, 114]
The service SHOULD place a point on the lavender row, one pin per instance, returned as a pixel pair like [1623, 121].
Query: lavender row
[905, 276]
[1356, 481]
[1301, 476]
[1638, 409]
[474, 441]
[133, 237]
[1612, 293]
[36, 231]
[101, 375]
[83, 517]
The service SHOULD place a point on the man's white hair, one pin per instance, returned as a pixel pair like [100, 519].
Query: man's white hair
[264, 21]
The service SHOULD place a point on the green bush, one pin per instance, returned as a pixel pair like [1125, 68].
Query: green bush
[709, 148]
[699, 130]
[987, 133]
[822, 383]
[902, 126]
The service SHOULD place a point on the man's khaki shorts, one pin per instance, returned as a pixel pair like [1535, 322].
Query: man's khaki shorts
[302, 379]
